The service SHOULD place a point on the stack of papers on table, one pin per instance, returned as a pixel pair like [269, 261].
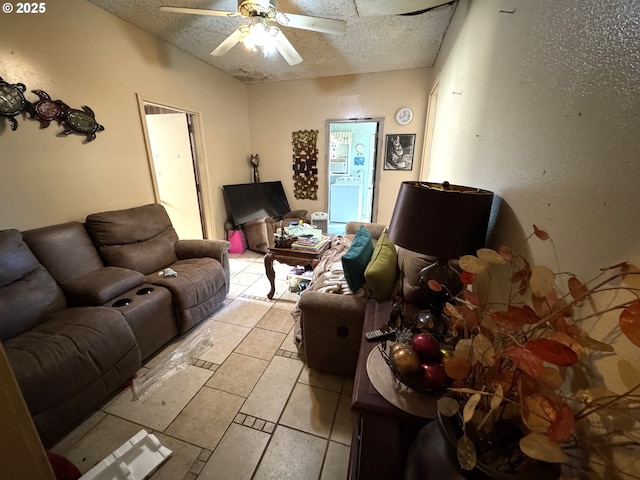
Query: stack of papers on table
[310, 244]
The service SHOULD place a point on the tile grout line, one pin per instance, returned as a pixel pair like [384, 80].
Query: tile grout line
[247, 420]
[266, 447]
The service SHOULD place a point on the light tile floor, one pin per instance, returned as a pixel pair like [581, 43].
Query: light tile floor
[245, 408]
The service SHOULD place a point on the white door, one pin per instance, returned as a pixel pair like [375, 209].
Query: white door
[175, 176]
[352, 183]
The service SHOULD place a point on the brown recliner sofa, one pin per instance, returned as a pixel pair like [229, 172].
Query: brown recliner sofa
[70, 257]
[67, 360]
[75, 329]
[143, 239]
[329, 325]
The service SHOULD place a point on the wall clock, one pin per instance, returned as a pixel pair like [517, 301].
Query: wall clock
[404, 116]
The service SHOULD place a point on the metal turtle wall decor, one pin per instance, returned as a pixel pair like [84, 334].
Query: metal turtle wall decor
[12, 101]
[46, 110]
[80, 121]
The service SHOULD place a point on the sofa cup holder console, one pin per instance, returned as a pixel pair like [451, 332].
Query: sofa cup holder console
[122, 302]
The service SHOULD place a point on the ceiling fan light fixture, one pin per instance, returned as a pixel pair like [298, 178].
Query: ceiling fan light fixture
[260, 36]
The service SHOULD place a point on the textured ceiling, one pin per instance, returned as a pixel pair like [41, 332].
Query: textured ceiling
[371, 44]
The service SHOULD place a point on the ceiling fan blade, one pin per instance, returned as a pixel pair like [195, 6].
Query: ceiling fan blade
[316, 24]
[369, 8]
[197, 11]
[229, 42]
[286, 49]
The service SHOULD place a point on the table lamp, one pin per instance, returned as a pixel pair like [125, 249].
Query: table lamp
[442, 221]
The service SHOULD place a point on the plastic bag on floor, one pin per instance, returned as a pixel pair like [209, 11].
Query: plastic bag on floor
[179, 359]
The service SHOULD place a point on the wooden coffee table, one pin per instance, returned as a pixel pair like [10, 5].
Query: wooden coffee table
[290, 257]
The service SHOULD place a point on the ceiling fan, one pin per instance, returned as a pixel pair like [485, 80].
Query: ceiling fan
[259, 34]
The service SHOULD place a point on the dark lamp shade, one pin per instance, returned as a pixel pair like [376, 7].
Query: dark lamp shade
[440, 220]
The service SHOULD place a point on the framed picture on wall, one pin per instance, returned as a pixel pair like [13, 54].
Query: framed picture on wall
[399, 151]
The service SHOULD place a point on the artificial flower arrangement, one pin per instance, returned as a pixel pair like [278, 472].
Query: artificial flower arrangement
[520, 351]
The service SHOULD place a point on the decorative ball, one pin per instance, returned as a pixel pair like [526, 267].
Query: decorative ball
[433, 376]
[427, 347]
[398, 346]
[405, 362]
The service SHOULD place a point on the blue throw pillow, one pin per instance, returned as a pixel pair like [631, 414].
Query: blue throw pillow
[355, 261]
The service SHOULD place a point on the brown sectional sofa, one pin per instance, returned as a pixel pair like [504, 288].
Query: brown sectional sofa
[82, 305]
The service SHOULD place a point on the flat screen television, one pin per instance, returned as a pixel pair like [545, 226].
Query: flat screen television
[247, 201]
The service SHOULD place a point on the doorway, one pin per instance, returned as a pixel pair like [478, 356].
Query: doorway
[352, 148]
[171, 139]
[428, 133]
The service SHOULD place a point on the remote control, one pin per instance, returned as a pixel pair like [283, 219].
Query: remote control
[380, 333]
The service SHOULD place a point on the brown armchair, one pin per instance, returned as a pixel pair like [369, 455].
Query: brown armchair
[259, 231]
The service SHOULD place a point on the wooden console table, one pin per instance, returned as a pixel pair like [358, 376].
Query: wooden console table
[290, 257]
[382, 433]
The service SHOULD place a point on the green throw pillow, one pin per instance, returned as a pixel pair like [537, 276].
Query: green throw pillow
[356, 259]
[381, 273]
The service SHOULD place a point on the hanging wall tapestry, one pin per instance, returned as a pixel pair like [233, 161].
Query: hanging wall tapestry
[305, 164]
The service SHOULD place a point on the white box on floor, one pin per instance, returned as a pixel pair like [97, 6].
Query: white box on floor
[135, 459]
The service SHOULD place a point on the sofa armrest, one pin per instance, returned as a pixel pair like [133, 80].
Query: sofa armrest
[346, 308]
[98, 287]
[375, 229]
[216, 249]
[331, 330]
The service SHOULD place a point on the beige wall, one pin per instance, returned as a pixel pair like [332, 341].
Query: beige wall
[86, 56]
[104, 62]
[542, 107]
[280, 108]
[547, 117]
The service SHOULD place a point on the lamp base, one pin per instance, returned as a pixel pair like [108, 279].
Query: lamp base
[440, 282]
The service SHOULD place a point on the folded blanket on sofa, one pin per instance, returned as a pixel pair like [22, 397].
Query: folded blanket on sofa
[336, 268]
[333, 280]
